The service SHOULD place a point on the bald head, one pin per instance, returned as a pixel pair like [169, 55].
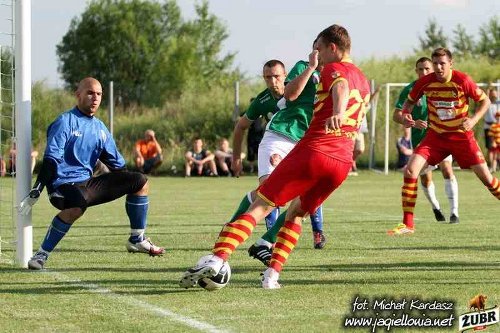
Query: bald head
[89, 94]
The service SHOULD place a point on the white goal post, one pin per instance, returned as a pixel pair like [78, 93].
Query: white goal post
[389, 108]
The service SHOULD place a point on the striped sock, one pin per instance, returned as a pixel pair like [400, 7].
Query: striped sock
[233, 234]
[287, 239]
[495, 188]
[408, 198]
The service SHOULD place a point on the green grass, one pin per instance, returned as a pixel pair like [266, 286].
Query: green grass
[93, 285]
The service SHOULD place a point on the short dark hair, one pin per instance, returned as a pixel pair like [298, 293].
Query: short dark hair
[442, 51]
[337, 35]
[274, 62]
[421, 60]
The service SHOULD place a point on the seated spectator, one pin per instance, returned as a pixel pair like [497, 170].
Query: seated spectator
[224, 157]
[200, 161]
[148, 155]
[12, 159]
[404, 149]
[3, 168]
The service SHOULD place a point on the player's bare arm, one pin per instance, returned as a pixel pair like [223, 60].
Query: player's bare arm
[294, 88]
[469, 123]
[239, 131]
[340, 97]
[407, 119]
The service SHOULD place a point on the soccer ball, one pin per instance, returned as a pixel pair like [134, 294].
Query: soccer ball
[215, 282]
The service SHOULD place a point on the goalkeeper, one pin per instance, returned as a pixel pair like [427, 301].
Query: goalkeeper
[75, 142]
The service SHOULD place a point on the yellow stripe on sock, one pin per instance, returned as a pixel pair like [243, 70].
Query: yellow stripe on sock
[281, 252]
[290, 232]
[236, 231]
[285, 242]
[229, 240]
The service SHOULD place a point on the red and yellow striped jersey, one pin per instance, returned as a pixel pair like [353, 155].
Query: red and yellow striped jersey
[447, 102]
[494, 132]
[338, 144]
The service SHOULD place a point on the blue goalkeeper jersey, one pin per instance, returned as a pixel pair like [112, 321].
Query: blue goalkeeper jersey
[75, 141]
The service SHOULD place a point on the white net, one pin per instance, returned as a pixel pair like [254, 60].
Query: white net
[7, 107]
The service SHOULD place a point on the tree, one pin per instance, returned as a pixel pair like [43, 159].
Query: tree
[489, 39]
[143, 46]
[434, 37]
[463, 43]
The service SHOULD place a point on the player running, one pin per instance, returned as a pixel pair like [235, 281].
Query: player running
[450, 130]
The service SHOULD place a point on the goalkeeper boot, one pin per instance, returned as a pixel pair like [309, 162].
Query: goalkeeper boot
[319, 240]
[38, 260]
[438, 214]
[261, 253]
[207, 268]
[270, 279]
[145, 246]
[401, 230]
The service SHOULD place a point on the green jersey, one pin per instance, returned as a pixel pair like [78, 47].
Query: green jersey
[293, 120]
[264, 105]
[419, 112]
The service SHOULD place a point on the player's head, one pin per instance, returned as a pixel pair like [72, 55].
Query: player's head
[423, 66]
[333, 44]
[89, 94]
[442, 61]
[274, 74]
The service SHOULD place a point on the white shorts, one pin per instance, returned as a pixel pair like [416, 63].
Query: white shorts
[272, 149]
[429, 168]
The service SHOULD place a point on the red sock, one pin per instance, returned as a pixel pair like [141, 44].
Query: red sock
[495, 188]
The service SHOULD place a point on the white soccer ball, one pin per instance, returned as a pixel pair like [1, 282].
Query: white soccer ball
[216, 282]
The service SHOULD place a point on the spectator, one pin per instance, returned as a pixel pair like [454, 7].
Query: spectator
[404, 149]
[12, 159]
[494, 134]
[200, 161]
[148, 155]
[224, 157]
[489, 119]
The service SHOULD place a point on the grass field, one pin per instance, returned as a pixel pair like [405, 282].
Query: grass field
[92, 284]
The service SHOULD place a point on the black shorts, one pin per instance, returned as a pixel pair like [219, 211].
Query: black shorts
[97, 190]
[488, 140]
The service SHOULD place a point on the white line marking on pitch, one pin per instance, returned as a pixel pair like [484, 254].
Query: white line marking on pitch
[131, 301]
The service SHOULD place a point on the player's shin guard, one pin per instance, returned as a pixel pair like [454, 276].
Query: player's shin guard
[287, 239]
[495, 188]
[451, 189]
[317, 220]
[408, 198]
[56, 232]
[272, 218]
[137, 211]
[243, 207]
[233, 234]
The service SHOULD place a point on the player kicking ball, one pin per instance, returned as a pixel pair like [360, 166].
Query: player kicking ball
[315, 167]
[76, 140]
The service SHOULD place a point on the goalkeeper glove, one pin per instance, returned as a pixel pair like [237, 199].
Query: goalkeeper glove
[32, 197]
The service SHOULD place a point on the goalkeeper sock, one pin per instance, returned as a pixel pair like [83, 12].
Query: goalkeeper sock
[408, 199]
[55, 233]
[233, 234]
[137, 211]
[317, 220]
[243, 207]
[287, 239]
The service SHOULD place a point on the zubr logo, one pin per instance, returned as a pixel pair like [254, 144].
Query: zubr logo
[480, 318]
